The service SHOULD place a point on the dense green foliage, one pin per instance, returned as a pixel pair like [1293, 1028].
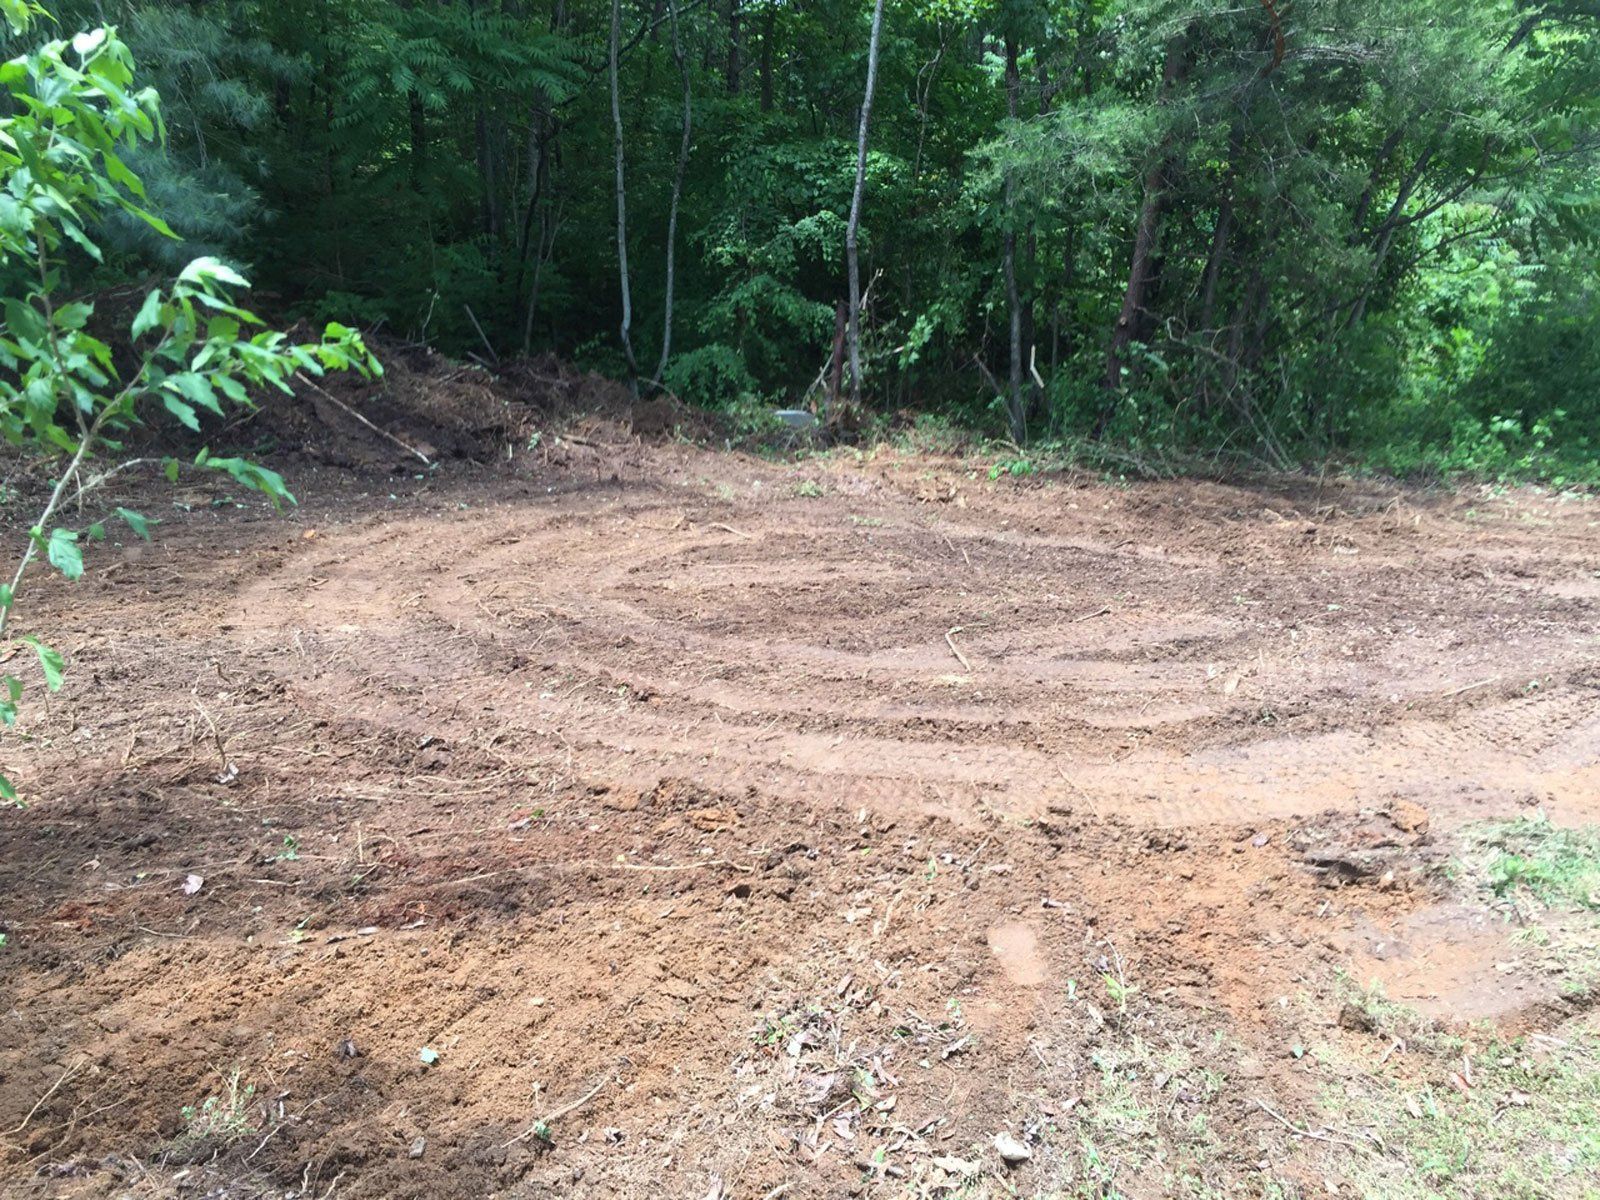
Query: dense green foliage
[1276, 227]
[73, 109]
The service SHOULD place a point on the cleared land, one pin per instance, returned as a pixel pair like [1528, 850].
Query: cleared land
[632, 820]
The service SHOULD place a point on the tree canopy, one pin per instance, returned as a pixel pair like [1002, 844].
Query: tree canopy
[1280, 228]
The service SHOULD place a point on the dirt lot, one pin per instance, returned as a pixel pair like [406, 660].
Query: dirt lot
[640, 820]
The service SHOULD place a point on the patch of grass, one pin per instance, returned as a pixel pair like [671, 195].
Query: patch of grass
[1547, 879]
[1530, 857]
[1370, 1008]
[1527, 1125]
[1142, 1123]
[217, 1121]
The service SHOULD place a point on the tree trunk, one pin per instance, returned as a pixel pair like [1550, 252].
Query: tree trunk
[836, 367]
[1221, 231]
[677, 194]
[1140, 269]
[1015, 408]
[853, 228]
[485, 173]
[626, 328]
[735, 48]
[769, 29]
[419, 140]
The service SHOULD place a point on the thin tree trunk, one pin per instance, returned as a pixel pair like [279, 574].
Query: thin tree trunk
[485, 173]
[677, 193]
[1222, 231]
[768, 33]
[853, 228]
[1384, 238]
[419, 140]
[626, 328]
[533, 290]
[1014, 405]
[735, 48]
[836, 367]
[1144, 243]
[1144, 240]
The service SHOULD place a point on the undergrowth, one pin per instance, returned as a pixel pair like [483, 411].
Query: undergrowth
[1531, 859]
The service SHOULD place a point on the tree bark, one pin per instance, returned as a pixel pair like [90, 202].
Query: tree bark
[1144, 241]
[677, 194]
[735, 48]
[836, 367]
[626, 328]
[1222, 231]
[853, 228]
[1015, 409]
[769, 29]
[419, 140]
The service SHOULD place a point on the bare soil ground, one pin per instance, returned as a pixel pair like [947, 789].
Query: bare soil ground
[639, 820]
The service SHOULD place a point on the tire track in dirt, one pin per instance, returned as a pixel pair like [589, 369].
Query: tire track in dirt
[792, 648]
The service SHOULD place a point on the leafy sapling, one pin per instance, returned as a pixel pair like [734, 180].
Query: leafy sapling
[71, 110]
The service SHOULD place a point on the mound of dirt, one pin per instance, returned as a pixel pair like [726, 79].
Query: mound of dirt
[423, 407]
[427, 408]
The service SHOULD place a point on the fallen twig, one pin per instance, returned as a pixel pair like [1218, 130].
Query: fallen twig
[1314, 1135]
[1471, 687]
[956, 650]
[483, 337]
[343, 407]
[542, 1125]
[749, 537]
[229, 771]
[54, 1087]
[1099, 612]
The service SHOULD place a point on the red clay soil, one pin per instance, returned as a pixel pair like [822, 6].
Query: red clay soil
[726, 828]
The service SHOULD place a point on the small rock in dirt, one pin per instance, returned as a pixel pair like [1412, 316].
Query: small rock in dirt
[347, 1048]
[418, 1148]
[1011, 1150]
[956, 1166]
[712, 820]
[1260, 840]
[1408, 817]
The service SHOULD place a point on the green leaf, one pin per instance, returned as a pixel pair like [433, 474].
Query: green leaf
[155, 222]
[119, 171]
[74, 316]
[13, 688]
[97, 532]
[196, 389]
[7, 792]
[184, 413]
[170, 469]
[88, 42]
[50, 662]
[137, 521]
[63, 553]
[149, 316]
[212, 270]
[7, 599]
[24, 322]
